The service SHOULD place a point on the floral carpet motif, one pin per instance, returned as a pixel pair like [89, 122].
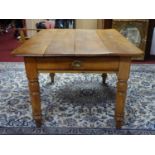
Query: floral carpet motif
[77, 102]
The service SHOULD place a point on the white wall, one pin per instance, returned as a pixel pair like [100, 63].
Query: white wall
[31, 24]
[86, 23]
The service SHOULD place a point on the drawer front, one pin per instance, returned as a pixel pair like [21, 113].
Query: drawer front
[79, 64]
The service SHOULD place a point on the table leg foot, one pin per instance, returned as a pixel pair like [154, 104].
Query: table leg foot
[104, 77]
[52, 77]
[118, 125]
[38, 122]
[120, 102]
[119, 122]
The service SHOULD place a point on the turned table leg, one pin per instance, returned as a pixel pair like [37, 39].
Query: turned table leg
[123, 75]
[52, 77]
[104, 77]
[32, 75]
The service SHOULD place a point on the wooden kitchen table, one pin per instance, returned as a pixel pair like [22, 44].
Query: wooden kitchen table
[78, 50]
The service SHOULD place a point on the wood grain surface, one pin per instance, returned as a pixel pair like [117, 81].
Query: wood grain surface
[78, 42]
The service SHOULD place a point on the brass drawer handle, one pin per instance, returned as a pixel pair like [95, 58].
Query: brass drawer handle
[76, 64]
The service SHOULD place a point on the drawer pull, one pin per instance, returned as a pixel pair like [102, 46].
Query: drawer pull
[76, 64]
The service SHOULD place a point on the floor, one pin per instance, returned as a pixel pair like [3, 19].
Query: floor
[8, 43]
[86, 103]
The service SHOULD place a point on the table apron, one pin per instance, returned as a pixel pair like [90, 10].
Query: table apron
[107, 64]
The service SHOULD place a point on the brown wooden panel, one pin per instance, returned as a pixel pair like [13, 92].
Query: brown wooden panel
[78, 63]
[62, 43]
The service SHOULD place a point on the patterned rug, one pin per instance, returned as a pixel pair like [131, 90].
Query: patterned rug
[76, 103]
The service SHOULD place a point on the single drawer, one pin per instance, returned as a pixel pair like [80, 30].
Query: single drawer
[78, 63]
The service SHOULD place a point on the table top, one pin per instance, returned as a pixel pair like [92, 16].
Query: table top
[77, 42]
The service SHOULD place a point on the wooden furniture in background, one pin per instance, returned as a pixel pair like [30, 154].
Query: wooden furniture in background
[149, 40]
[81, 51]
[104, 23]
[136, 30]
